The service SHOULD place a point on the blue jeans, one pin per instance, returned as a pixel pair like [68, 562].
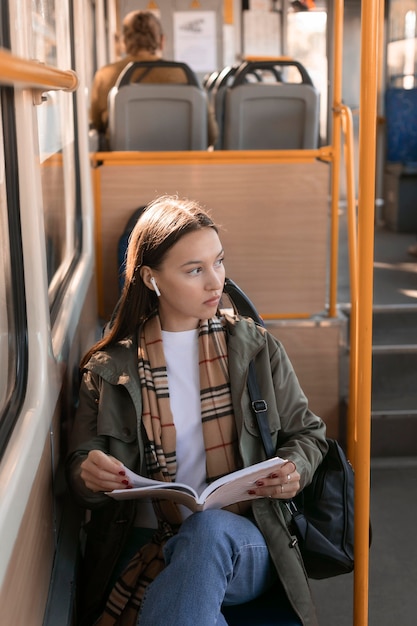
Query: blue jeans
[216, 558]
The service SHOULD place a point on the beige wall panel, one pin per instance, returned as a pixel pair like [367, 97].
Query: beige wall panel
[24, 593]
[25, 589]
[274, 225]
[316, 352]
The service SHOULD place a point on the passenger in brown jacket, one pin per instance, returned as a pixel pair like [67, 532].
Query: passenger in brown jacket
[144, 41]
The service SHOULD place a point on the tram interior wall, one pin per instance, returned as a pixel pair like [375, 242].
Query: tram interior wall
[274, 228]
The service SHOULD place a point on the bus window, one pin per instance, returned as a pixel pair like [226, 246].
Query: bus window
[401, 48]
[57, 150]
[7, 352]
[13, 323]
[307, 44]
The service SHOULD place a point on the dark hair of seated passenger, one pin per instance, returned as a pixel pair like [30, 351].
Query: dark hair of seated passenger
[142, 30]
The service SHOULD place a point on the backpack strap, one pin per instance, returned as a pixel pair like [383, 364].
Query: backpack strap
[260, 410]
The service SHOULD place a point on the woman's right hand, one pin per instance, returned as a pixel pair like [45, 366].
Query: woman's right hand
[101, 472]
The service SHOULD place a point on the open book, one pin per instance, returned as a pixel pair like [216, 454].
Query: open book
[222, 492]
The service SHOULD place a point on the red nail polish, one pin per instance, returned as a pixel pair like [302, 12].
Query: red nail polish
[122, 473]
[125, 482]
[260, 483]
[251, 492]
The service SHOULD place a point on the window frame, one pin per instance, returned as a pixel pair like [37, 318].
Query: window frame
[18, 340]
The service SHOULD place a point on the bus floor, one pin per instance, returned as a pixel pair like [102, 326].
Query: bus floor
[395, 271]
[393, 501]
[392, 556]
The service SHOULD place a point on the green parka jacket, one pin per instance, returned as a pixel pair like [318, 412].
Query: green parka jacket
[109, 419]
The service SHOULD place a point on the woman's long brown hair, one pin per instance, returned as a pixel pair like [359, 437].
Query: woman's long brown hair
[160, 226]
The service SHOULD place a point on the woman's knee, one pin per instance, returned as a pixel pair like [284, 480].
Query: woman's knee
[209, 522]
[213, 525]
[215, 531]
[201, 531]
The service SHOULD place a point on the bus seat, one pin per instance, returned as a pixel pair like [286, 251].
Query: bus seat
[175, 113]
[158, 117]
[224, 79]
[401, 124]
[271, 117]
[209, 81]
[279, 111]
[218, 93]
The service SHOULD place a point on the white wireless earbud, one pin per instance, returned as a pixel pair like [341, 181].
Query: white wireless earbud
[155, 286]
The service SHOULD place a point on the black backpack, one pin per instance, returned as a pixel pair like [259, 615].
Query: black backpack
[322, 516]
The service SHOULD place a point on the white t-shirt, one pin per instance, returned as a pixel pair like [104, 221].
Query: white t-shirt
[181, 357]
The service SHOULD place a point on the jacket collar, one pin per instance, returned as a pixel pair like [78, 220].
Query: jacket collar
[246, 337]
[118, 364]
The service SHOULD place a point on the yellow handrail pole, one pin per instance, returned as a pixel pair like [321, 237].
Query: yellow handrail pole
[216, 157]
[347, 125]
[17, 71]
[336, 143]
[366, 209]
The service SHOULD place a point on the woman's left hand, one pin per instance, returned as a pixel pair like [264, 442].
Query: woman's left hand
[283, 483]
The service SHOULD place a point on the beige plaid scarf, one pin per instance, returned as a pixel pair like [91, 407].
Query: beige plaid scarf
[220, 441]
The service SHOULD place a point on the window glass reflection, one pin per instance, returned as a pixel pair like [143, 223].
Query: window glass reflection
[44, 31]
[7, 329]
[307, 44]
[402, 44]
[56, 144]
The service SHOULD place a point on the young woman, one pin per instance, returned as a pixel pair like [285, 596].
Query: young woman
[164, 393]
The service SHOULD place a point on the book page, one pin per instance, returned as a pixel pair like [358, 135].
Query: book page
[224, 491]
[136, 480]
[175, 493]
[234, 487]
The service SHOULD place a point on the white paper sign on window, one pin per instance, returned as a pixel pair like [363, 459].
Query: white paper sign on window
[195, 41]
[261, 33]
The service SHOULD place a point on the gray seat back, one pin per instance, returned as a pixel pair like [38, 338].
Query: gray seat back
[277, 116]
[145, 116]
[276, 111]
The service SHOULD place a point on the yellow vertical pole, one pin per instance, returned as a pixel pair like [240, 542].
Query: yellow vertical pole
[353, 277]
[370, 53]
[336, 149]
[228, 16]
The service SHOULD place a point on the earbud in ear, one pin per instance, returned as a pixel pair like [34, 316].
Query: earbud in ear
[155, 286]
